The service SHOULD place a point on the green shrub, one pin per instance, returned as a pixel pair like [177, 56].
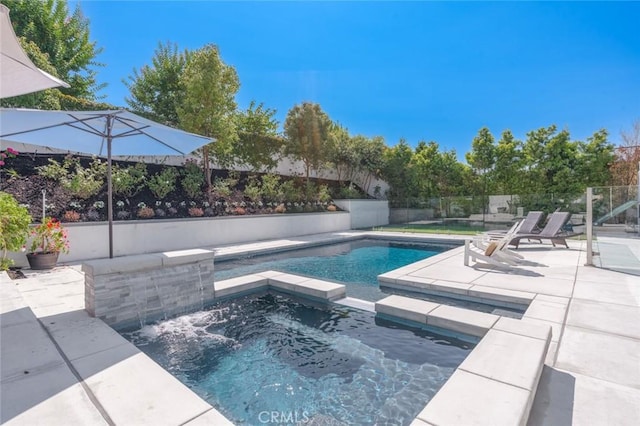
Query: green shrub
[128, 181]
[163, 183]
[79, 181]
[323, 195]
[14, 227]
[349, 192]
[221, 188]
[54, 170]
[289, 192]
[252, 190]
[270, 187]
[192, 179]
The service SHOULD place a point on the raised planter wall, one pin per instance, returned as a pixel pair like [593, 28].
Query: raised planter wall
[366, 213]
[91, 241]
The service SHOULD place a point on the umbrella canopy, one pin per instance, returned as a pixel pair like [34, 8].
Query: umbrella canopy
[87, 131]
[113, 132]
[18, 75]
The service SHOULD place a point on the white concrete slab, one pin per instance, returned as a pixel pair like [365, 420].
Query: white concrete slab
[523, 328]
[406, 308]
[508, 358]
[610, 318]
[135, 390]
[316, 288]
[450, 287]
[210, 418]
[566, 398]
[556, 327]
[471, 400]
[26, 347]
[601, 356]
[461, 320]
[501, 294]
[49, 397]
[80, 335]
[545, 310]
[619, 292]
[537, 284]
[236, 285]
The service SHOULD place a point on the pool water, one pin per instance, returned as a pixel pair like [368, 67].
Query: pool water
[355, 263]
[269, 354]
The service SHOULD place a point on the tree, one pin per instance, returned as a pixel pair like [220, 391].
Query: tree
[507, 169]
[341, 153]
[399, 174]
[157, 90]
[209, 105]
[624, 169]
[595, 158]
[424, 162]
[307, 131]
[64, 37]
[258, 144]
[482, 158]
[369, 158]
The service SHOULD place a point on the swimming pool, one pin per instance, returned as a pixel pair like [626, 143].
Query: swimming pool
[268, 354]
[355, 263]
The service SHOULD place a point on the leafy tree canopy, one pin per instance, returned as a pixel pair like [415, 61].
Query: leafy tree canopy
[157, 90]
[64, 37]
[307, 130]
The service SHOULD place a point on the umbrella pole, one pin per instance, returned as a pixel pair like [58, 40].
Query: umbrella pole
[109, 187]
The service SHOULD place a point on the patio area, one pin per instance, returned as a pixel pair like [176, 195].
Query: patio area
[59, 366]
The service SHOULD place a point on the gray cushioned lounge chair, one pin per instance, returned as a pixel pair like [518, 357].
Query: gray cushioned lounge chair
[552, 231]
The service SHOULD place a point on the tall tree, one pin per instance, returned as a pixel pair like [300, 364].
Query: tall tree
[157, 90]
[482, 159]
[595, 158]
[369, 158]
[399, 174]
[624, 169]
[307, 131]
[64, 37]
[209, 105]
[341, 153]
[507, 169]
[258, 145]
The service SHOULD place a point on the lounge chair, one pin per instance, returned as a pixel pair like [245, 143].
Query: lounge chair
[494, 252]
[552, 231]
[528, 226]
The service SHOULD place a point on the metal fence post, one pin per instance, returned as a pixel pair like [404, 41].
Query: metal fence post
[589, 227]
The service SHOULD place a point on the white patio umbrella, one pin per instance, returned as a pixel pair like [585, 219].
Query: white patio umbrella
[116, 132]
[18, 75]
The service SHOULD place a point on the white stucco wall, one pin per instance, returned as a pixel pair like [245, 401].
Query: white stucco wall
[90, 240]
[366, 213]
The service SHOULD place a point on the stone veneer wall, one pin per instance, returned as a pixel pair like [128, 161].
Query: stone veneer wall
[131, 291]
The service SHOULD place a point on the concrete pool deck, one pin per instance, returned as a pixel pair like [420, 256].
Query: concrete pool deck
[59, 366]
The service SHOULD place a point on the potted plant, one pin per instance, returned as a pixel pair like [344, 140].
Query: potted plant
[49, 239]
[14, 227]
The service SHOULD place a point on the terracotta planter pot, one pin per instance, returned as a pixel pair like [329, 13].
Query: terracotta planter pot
[42, 260]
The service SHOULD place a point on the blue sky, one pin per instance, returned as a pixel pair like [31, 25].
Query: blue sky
[416, 70]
